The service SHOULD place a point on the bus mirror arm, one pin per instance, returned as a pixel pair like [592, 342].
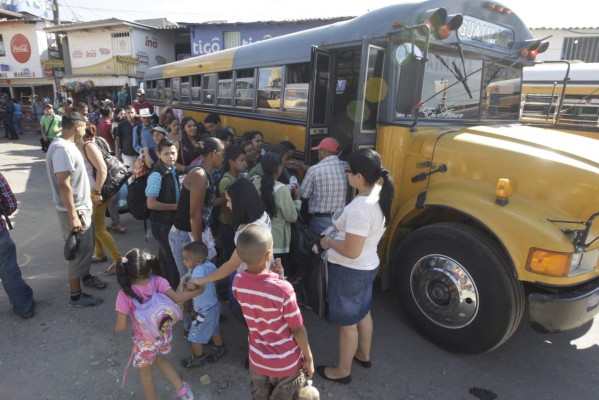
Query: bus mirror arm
[416, 114]
[423, 175]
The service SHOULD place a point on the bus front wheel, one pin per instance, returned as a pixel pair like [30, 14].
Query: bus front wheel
[457, 288]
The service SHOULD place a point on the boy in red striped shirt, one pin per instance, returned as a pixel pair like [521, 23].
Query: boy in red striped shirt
[279, 353]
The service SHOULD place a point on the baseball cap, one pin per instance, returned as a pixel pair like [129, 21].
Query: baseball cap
[70, 100]
[141, 91]
[48, 105]
[329, 143]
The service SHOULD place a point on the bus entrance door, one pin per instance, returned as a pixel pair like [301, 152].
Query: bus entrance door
[371, 91]
[319, 102]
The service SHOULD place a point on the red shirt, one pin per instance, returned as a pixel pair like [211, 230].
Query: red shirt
[105, 131]
[144, 104]
[271, 312]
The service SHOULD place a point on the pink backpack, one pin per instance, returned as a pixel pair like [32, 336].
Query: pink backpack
[154, 313]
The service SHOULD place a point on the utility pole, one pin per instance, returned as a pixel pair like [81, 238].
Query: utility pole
[55, 12]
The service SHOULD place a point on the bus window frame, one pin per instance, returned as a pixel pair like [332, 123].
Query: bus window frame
[193, 81]
[259, 71]
[222, 80]
[207, 91]
[252, 80]
[185, 96]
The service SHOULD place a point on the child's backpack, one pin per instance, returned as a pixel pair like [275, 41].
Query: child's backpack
[136, 198]
[155, 314]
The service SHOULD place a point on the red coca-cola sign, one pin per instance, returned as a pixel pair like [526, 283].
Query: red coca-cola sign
[20, 48]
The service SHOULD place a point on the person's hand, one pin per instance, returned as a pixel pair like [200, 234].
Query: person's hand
[277, 268]
[98, 200]
[308, 367]
[197, 281]
[324, 242]
[296, 191]
[190, 286]
[75, 224]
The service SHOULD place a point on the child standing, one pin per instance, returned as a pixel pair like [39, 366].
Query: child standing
[135, 274]
[206, 309]
[280, 355]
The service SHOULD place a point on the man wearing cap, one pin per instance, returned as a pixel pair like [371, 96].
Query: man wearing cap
[125, 132]
[143, 137]
[70, 190]
[140, 102]
[325, 185]
[50, 124]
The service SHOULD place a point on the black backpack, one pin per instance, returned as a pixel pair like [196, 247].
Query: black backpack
[136, 198]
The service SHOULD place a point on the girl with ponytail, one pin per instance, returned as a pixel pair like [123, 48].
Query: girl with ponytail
[353, 261]
[137, 275]
[282, 203]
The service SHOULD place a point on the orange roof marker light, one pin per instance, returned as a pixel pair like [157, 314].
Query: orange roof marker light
[441, 24]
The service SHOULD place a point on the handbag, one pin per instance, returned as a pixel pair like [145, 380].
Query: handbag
[316, 281]
[71, 246]
[117, 173]
[302, 241]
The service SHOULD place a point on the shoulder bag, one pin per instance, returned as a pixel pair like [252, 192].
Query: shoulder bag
[116, 176]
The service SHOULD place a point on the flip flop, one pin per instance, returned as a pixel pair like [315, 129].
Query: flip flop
[110, 271]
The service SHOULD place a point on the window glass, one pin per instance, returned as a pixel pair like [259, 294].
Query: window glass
[244, 88]
[168, 93]
[297, 78]
[501, 96]
[160, 89]
[196, 88]
[176, 89]
[209, 89]
[443, 99]
[225, 89]
[185, 88]
[269, 87]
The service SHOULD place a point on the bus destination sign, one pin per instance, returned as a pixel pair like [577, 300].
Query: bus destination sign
[485, 33]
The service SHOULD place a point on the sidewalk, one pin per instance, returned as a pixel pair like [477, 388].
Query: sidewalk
[74, 353]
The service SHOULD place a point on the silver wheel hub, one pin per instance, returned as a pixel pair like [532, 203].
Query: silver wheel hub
[444, 291]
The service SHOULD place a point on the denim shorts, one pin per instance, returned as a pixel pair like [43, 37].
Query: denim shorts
[349, 292]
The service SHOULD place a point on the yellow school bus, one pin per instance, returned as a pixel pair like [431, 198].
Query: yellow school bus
[488, 214]
[562, 95]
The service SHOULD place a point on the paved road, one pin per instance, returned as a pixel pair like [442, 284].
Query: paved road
[66, 353]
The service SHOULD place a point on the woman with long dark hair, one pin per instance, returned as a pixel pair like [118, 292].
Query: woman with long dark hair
[281, 203]
[353, 261]
[192, 142]
[246, 209]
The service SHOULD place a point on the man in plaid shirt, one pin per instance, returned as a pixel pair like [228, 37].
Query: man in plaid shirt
[19, 293]
[325, 186]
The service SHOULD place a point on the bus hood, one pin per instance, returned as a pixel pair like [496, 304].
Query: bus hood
[550, 169]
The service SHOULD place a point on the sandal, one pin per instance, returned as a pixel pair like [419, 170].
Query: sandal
[193, 361]
[110, 270]
[219, 352]
[96, 259]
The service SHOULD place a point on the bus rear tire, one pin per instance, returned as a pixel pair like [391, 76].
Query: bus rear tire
[457, 288]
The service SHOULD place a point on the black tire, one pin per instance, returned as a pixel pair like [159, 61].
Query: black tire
[457, 288]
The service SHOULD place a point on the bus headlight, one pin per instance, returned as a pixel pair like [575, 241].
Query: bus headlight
[552, 263]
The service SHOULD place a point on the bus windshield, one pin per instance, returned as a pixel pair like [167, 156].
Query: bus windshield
[466, 90]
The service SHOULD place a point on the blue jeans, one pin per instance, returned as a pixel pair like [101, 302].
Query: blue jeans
[177, 240]
[168, 267]
[319, 224]
[19, 293]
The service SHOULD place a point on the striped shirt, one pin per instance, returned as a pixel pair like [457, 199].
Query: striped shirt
[325, 186]
[271, 312]
[8, 201]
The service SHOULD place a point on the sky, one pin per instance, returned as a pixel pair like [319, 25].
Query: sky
[535, 13]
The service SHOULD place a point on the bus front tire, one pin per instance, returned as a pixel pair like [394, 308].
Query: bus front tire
[457, 288]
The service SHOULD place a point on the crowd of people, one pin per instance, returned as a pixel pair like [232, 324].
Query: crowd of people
[219, 209]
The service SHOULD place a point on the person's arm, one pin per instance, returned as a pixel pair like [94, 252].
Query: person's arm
[198, 183]
[65, 190]
[222, 272]
[222, 188]
[184, 296]
[301, 338]
[153, 191]
[8, 201]
[154, 204]
[117, 147]
[287, 205]
[136, 141]
[121, 322]
[307, 185]
[351, 247]
[96, 159]
[43, 130]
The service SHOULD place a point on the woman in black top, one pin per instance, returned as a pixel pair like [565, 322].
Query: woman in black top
[198, 194]
[191, 142]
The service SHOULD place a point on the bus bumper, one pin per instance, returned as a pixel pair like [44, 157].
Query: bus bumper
[564, 311]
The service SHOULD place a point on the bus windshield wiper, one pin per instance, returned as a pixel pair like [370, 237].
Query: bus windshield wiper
[461, 78]
[465, 76]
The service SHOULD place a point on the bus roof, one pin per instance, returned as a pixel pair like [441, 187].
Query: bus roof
[296, 47]
[555, 72]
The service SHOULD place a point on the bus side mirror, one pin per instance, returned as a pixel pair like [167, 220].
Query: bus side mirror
[409, 90]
